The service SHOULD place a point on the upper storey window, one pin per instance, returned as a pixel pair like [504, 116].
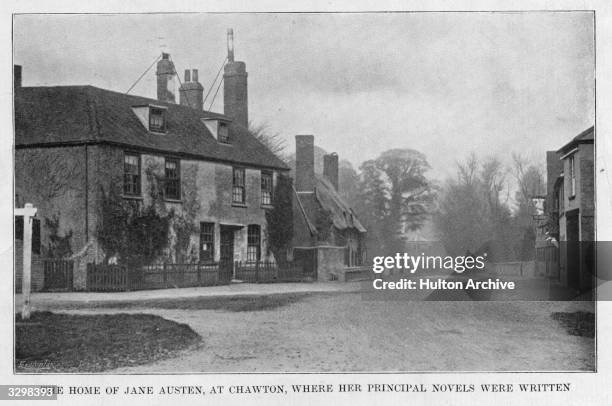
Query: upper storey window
[157, 119]
[572, 177]
[154, 118]
[223, 135]
[131, 174]
[219, 128]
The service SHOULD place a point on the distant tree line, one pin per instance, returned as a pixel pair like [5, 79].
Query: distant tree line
[486, 206]
[475, 211]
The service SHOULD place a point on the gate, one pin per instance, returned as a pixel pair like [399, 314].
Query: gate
[547, 260]
[58, 274]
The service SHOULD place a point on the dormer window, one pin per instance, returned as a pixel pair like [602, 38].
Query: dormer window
[219, 129]
[223, 133]
[157, 119]
[152, 117]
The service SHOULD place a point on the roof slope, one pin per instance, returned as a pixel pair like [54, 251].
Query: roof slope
[585, 137]
[342, 215]
[87, 114]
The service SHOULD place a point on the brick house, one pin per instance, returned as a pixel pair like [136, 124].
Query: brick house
[326, 229]
[71, 142]
[570, 206]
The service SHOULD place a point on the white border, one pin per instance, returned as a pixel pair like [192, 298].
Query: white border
[587, 388]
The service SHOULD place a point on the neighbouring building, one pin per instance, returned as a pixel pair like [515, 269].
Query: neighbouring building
[73, 143]
[570, 211]
[327, 232]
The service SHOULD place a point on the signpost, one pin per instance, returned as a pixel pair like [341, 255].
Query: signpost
[27, 212]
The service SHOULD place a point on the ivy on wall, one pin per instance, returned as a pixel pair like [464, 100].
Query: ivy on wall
[280, 219]
[135, 234]
[184, 223]
[59, 246]
[140, 233]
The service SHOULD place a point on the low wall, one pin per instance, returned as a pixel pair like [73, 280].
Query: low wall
[329, 261]
[356, 273]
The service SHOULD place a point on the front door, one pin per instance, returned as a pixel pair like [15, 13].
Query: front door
[226, 260]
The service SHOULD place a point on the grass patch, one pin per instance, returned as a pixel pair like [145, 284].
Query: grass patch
[230, 303]
[51, 342]
[577, 323]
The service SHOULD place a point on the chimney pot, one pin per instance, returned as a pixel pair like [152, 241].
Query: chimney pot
[191, 92]
[304, 163]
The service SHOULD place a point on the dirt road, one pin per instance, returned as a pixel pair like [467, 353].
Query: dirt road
[342, 333]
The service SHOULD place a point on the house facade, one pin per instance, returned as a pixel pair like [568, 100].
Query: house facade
[76, 144]
[570, 206]
[327, 231]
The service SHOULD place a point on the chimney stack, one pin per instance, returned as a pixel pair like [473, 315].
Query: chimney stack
[330, 168]
[165, 79]
[235, 99]
[191, 91]
[16, 77]
[304, 163]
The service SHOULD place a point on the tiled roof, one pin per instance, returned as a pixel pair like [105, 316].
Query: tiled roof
[86, 114]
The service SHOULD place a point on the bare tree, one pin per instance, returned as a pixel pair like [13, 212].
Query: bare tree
[473, 210]
[529, 178]
[272, 140]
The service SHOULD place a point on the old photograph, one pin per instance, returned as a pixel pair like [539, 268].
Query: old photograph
[304, 192]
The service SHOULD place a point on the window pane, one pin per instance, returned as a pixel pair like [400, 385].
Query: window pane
[223, 133]
[207, 241]
[173, 179]
[131, 174]
[266, 188]
[157, 120]
[253, 243]
[238, 185]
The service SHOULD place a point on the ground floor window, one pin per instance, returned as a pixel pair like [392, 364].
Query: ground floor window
[354, 253]
[253, 243]
[207, 242]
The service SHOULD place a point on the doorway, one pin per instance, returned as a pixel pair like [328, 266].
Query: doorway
[226, 247]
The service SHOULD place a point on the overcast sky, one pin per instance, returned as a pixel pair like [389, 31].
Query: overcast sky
[442, 83]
